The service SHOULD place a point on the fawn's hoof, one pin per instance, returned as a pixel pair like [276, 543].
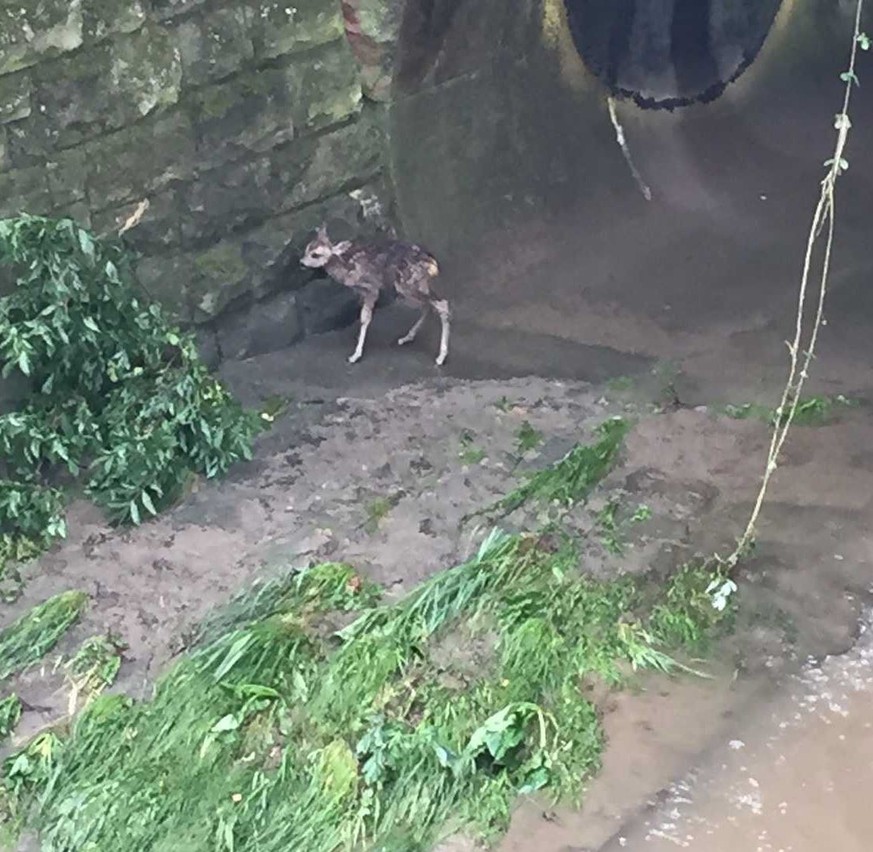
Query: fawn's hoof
[354, 358]
[441, 359]
[404, 340]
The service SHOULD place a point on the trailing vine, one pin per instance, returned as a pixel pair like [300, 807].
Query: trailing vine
[120, 407]
[801, 348]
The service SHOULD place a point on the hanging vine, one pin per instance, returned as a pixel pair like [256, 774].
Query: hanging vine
[812, 293]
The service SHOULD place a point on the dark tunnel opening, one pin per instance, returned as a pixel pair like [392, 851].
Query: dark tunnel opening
[673, 54]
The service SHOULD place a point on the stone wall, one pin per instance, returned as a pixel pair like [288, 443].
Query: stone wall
[243, 123]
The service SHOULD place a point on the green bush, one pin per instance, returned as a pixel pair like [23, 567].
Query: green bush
[33, 511]
[120, 401]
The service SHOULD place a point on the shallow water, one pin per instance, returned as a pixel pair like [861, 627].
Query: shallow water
[798, 782]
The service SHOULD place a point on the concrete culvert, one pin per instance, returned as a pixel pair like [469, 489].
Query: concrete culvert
[669, 53]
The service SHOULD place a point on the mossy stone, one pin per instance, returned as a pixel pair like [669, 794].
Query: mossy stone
[220, 276]
[282, 28]
[102, 18]
[140, 160]
[15, 90]
[258, 111]
[146, 69]
[214, 44]
[30, 31]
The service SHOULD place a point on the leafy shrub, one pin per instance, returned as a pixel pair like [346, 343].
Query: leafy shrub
[35, 512]
[119, 397]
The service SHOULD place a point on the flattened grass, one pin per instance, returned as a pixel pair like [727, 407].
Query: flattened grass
[33, 635]
[274, 734]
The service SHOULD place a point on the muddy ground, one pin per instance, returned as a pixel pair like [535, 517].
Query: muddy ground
[378, 465]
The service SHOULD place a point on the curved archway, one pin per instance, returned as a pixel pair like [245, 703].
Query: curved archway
[669, 53]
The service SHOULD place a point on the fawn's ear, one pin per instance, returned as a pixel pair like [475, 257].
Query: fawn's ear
[322, 230]
[339, 248]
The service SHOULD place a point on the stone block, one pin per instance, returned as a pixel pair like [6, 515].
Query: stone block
[259, 328]
[252, 265]
[102, 18]
[31, 31]
[326, 88]
[32, 140]
[159, 228]
[214, 44]
[15, 92]
[351, 153]
[24, 191]
[220, 276]
[74, 99]
[260, 110]
[163, 9]
[146, 69]
[206, 341]
[66, 172]
[249, 114]
[224, 199]
[106, 87]
[140, 160]
[78, 211]
[326, 305]
[282, 28]
[165, 279]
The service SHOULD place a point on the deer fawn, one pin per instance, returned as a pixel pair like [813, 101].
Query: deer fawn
[369, 267]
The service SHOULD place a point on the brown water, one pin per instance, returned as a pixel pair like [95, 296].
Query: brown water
[799, 782]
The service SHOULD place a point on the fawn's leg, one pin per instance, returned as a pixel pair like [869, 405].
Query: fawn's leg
[441, 306]
[410, 335]
[366, 317]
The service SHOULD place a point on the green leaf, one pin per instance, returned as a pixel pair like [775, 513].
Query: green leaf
[850, 77]
[89, 323]
[147, 502]
[535, 780]
[499, 734]
[225, 723]
[134, 513]
[446, 757]
[300, 686]
[86, 243]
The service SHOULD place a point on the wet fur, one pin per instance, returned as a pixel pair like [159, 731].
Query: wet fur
[368, 268]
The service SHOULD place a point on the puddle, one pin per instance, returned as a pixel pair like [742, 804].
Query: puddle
[654, 732]
[799, 782]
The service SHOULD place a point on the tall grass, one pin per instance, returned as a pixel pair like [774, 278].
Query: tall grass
[572, 478]
[33, 635]
[273, 737]
[273, 734]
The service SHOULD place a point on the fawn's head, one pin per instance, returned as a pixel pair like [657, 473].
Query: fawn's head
[320, 249]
